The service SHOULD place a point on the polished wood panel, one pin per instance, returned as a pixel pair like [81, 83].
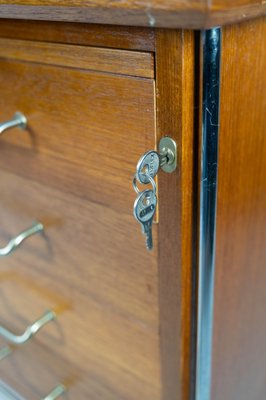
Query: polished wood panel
[74, 237]
[225, 4]
[239, 348]
[195, 14]
[92, 268]
[118, 37]
[88, 266]
[158, 13]
[98, 59]
[227, 12]
[93, 254]
[94, 340]
[175, 108]
[80, 124]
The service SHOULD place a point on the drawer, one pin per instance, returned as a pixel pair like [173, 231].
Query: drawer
[72, 170]
[92, 349]
[87, 247]
[86, 128]
[123, 327]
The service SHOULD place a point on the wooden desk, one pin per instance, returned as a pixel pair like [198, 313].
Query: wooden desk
[100, 83]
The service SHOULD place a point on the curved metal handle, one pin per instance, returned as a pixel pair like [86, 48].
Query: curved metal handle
[57, 392]
[30, 331]
[8, 393]
[15, 242]
[19, 120]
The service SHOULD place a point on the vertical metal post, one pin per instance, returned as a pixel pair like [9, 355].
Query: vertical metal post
[210, 53]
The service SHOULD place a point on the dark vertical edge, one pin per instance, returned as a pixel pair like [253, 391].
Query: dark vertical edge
[210, 62]
[195, 188]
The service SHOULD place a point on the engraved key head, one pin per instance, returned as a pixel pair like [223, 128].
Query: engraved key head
[149, 164]
[145, 206]
[144, 210]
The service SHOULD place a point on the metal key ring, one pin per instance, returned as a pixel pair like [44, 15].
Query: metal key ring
[151, 180]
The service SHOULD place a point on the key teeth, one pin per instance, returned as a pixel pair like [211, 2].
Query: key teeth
[149, 243]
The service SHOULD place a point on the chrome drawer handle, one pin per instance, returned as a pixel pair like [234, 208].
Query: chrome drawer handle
[30, 331]
[18, 121]
[15, 242]
[57, 392]
[10, 394]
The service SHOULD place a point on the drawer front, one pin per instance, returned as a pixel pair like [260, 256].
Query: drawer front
[86, 129]
[85, 246]
[72, 170]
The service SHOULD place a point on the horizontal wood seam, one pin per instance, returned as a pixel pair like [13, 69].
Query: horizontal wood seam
[123, 62]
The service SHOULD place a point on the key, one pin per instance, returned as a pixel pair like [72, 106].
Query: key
[148, 164]
[144, 210]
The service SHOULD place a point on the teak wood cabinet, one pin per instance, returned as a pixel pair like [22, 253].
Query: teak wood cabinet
[100, 83]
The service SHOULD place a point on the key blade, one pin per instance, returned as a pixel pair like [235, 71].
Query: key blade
[147, 230]
[146, 226]
[149, 241]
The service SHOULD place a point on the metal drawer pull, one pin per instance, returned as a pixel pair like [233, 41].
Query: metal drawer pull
[18, 121]
[15, 242]
[7, 393]
[57, 392]
[30, 331]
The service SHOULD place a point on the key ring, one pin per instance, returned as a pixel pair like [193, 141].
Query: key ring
[151, 180]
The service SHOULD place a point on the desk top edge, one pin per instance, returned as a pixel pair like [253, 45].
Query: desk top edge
[185, 14]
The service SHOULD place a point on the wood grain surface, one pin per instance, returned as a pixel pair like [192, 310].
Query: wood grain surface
[123, 62]
[131, 310]
[92, 268]
[239, 347]
[195, 14]
[175, 110]
[130, 38]
[86, 267]
[79, 123]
